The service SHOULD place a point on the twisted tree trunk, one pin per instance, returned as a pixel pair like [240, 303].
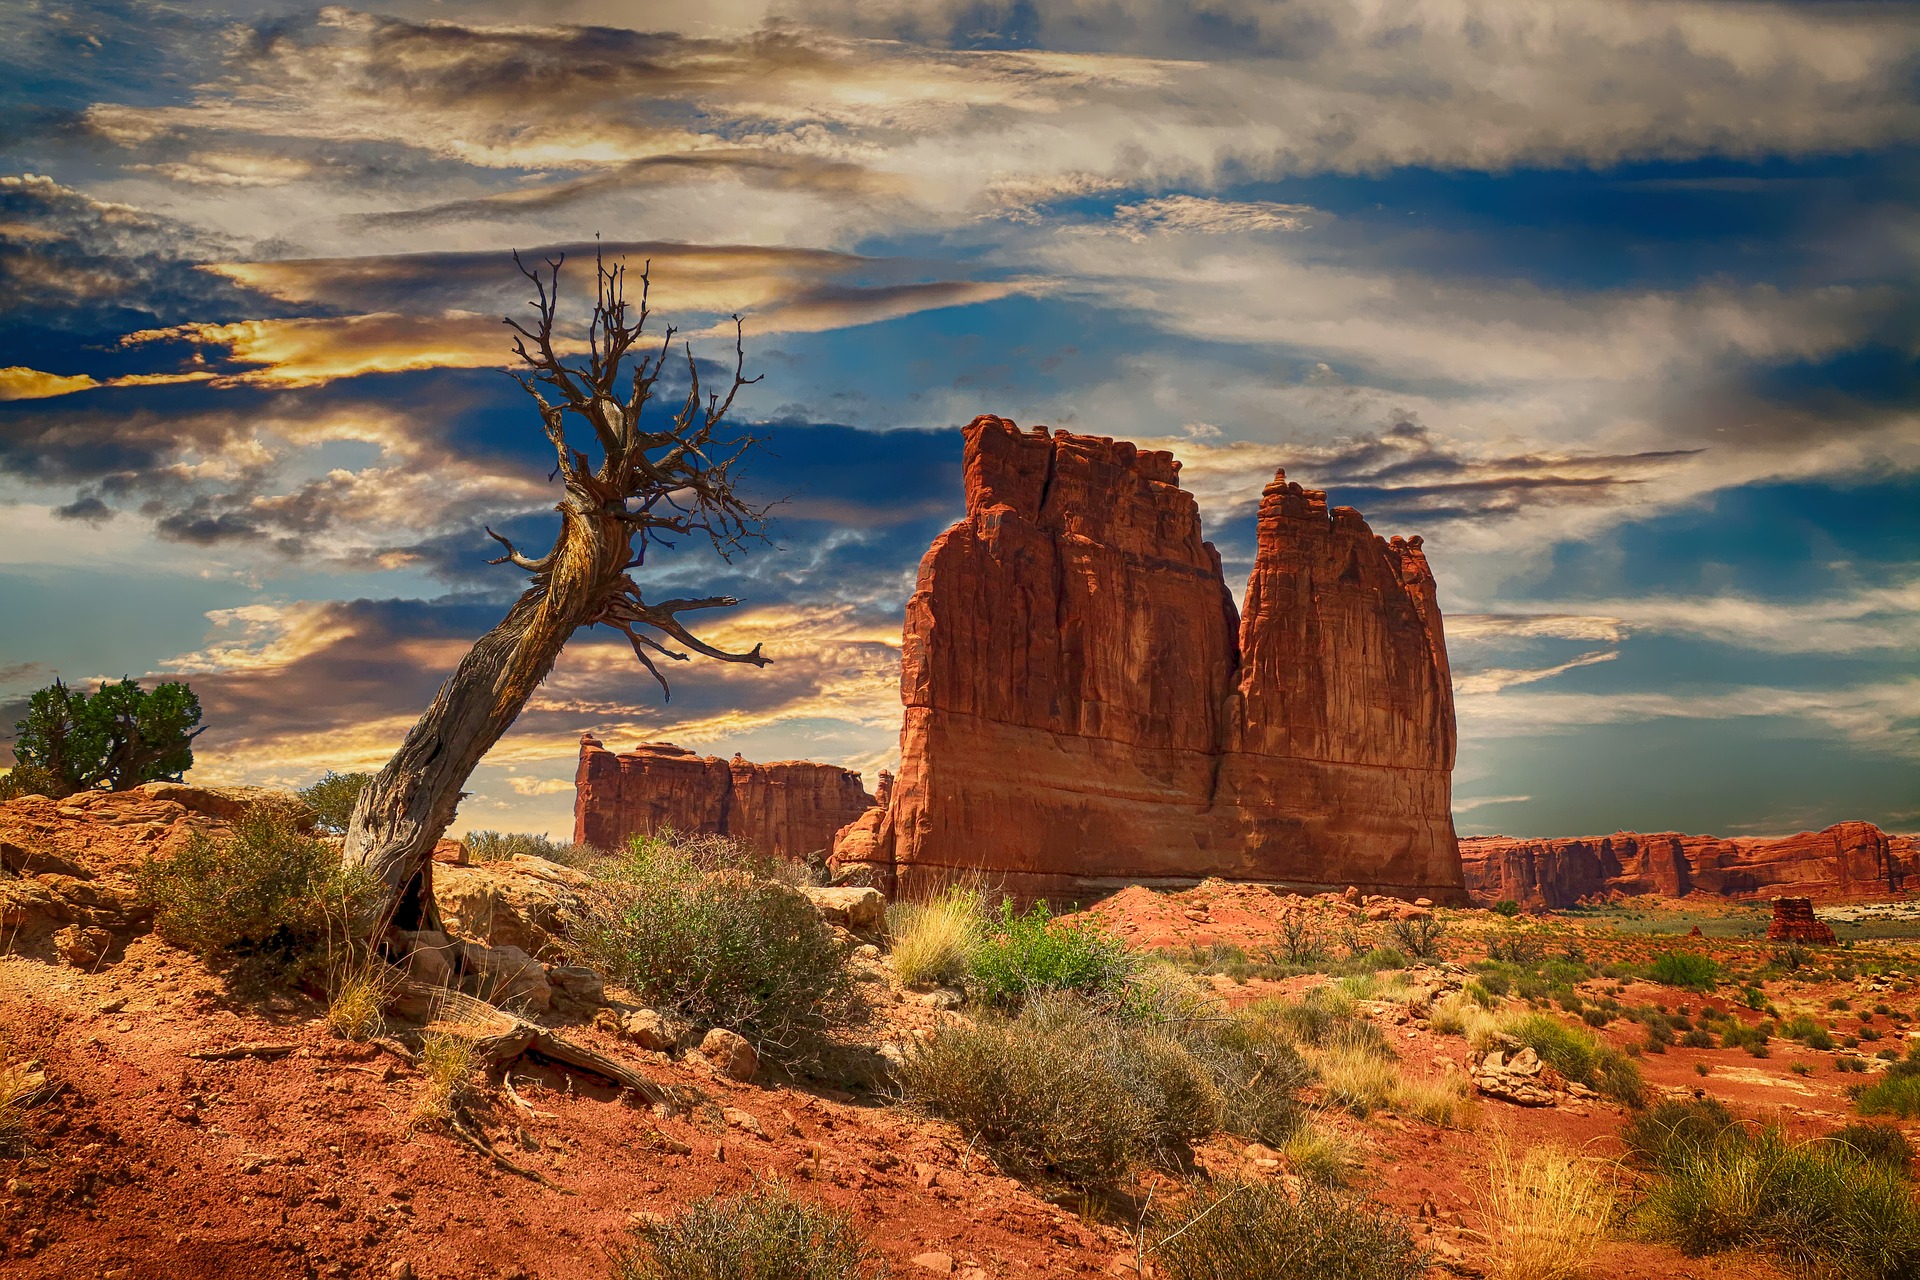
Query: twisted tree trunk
[649, 484]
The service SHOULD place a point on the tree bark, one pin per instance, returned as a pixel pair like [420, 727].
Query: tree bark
[675, 480]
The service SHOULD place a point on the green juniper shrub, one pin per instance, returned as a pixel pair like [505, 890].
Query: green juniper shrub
[1506, 907]
[1230, 1230]
[1377, 960]
[1818, 1208]
[1030, 954]
[764, 1233]
[1578, 1054]
[30, 780]
[1839, 1004]
[332, 799]
[117, 738]
[1755, 997]
[1687, 969]
[1880, 1144]
[268, 898]
[718, 947]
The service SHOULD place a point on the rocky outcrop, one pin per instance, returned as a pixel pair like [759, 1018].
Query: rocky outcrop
[788, 809]
[1085, 708]
[1846, 860]
[1794, 921]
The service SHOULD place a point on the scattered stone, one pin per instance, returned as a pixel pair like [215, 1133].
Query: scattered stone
[730, 1053]
[1517, 1080]
[577, 984]
[856, 910]
[82, 946]
[745, 1121]
[401, 1270]
[943, 998]
[646, 1028]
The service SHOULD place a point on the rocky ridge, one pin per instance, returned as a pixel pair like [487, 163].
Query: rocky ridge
[1849, 860]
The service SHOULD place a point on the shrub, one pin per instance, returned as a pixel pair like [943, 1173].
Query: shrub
[1258, 1074]
[1890, 1095]
[1255, 1230]
[1030, 954]
[1547, 1210]
[1698, 1038]
[1358, 1080]
[332, 798]
[1325, 1018]
[266, 895]
[766, 1233]
[1880, 1144]
[1419, 938]
[1738, 1035]
[1301, 942]
[1515, 948]
[1670, 1132]
[118, 738]
[504, 846]
[1320, 1155]
[934, 942]
[1687, 969]
[1506, 907]
[1818, 1208]
[719, 948]
[1439, 1100]
[29, 780]
[1047, 1093]
[1578, 1055]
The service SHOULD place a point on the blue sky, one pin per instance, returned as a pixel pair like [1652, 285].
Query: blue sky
[1614, 303]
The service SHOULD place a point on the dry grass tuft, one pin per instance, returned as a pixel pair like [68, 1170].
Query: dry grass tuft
[1442, 1100]
[1546, 1210]
[16, 1082]
[1356, 1078]
[358, 997]
[1321, 1155]
[448, 1060]
[934, 942]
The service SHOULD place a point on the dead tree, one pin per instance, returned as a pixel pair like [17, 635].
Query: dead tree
[651, 488]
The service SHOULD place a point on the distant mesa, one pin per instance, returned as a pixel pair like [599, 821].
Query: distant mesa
[1085, 707]
[1849, 860]
[790, 808]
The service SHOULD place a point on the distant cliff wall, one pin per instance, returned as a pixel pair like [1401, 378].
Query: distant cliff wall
[787, 809]
[1846, 860]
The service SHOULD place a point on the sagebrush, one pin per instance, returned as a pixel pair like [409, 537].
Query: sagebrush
[1233, 1230]
[765, 1233]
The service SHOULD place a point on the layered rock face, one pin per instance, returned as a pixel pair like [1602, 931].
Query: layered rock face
[1794, 921]
[787, 809]
[1084, 707]
[1847, 860]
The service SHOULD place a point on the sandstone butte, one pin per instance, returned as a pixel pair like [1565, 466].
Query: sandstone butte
[790, 808]
[1085, 707]
[1847, 860]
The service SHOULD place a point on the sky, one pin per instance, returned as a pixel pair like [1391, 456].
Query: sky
[1614, 302]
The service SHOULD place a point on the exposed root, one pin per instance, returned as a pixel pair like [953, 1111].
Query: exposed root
[487, 1149]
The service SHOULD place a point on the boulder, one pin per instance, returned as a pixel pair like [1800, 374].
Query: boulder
[82, 945]
[507, 977]
[1085, 707]
[1520, 1079]
[515, 903]
[854, 909]
[730, 1054]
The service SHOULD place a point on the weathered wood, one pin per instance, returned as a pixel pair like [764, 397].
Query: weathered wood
[650, 486]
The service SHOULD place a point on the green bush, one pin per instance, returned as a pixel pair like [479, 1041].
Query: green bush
[1063, 1092]
[1231, 1230]
[118, 738]
[1669, 1133]
[720, 948]
[1515, 948]
[1578, 1055]
[1880, 1144]
[1816, 1208]
[332, 798]
[766, 1233]
[1506, 907]
[1325, 1017]
[1890, 1095]
[1738, 1035]
[1687, 969]
[30, 780]
[266, 895]
[1032, 954]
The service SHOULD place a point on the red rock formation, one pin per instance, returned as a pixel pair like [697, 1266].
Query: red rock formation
[1084, 707]
[1794, 921]
[788, 809]
[1847, 860]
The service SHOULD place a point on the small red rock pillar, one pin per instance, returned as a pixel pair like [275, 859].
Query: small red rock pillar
[1794, 921]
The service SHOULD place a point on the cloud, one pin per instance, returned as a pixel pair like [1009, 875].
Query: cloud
[1494, 679]
[1470, 627]
[1195, 214]
[20, 383]
[1467, 806]
[311, 351]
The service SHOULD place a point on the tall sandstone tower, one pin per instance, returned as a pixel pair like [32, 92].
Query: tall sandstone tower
[1084, 708]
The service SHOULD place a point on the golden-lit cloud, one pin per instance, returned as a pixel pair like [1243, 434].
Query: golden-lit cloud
[307, 351]
[20, 383]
